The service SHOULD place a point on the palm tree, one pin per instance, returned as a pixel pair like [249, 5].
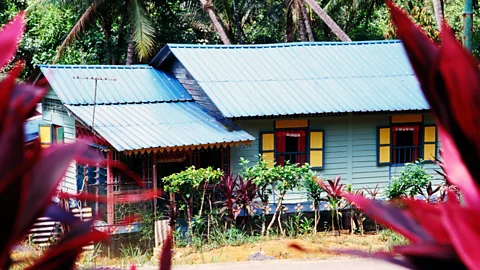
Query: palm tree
[328, 21]
[129, 13]
[302, 20]
[207, 6]
[438, 11]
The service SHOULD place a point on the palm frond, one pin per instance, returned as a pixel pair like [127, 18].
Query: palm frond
[143, 33]
[78, 28]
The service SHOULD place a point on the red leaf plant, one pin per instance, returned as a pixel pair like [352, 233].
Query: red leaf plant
[29, 175]
[444, 235]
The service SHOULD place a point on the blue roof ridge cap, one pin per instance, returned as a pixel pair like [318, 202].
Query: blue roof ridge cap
[96, 66]
[131, 103]
[170, 46]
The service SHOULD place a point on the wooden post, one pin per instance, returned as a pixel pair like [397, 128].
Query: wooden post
[154, 186]
[110, 208]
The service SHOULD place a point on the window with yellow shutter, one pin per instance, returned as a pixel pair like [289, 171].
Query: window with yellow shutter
[405, 143]
[50, 134]
[316, 153]
[267, 147]
[384, 146]
[430, 142]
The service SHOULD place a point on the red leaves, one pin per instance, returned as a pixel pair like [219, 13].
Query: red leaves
[11, 34]
[334, 189]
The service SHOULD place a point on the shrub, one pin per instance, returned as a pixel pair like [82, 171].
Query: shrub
[412, 181]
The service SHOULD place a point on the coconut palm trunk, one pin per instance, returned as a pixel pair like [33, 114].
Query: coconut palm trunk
[328, 21]
[289, 21]
[130, 49]
[308, 26]
[301, 23]
[207, 5]
[438, 11]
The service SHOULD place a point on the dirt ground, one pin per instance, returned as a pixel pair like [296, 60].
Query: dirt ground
[318, 247]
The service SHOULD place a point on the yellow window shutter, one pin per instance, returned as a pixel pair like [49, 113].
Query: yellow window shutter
[383, 145]
[430, 143]
[316, 153]
[45, 134]
[267, 147]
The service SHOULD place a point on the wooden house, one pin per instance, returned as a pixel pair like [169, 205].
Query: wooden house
[352, 109]
[349, 109]
[138, 115]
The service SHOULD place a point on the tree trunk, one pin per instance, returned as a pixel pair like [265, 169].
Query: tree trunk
[301, 23]
[437, 9]
[306, 20]
[277, 208]
[237, 23]
[208, 7]
[328, 20]
[121, 34]
[130, 48]
[264, 216]
[289, 22]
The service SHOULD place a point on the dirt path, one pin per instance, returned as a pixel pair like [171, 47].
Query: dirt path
[336, 264]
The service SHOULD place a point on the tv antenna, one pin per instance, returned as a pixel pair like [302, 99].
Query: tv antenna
[96, 79]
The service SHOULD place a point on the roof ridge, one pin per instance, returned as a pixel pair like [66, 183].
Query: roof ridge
[283, 45]
[132, 103]
[96, 66]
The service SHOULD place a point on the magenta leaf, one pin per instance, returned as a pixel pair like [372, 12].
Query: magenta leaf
[11, 35]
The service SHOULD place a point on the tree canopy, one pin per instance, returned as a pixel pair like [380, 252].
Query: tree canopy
[105, 39]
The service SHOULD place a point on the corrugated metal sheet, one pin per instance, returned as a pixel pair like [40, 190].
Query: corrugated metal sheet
[302, 78]
[125, 84]
[145, 126]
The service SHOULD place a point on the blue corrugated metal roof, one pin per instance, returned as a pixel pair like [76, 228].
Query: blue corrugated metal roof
[142, 109]
[302, 78]
[143, 126]
[125, 84]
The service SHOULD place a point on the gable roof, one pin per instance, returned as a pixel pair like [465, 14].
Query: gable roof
[139, 108]
[75, 85]
[301, 78]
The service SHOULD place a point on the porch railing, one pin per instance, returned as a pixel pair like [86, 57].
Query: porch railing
[405, 154]
[292, 157]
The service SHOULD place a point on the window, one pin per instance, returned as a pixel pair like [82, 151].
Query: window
[51, 134]
[290, 146]
[292, 142]
[212, 157]
[405, 143]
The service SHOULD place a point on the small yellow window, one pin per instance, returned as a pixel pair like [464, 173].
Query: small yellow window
[430, 143]
[316, 149]
[267, 147]
[383, 146]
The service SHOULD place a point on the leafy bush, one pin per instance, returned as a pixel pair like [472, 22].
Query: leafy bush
[413, 179]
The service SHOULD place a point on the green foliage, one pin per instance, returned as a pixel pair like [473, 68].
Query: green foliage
[393, 239]
[284, 178]
[298, 224]
[147, 229]
[314, 190]
[413, 179]
[185, 182]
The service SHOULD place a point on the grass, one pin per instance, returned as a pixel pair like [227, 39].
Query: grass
[236, 246]
[392, 238]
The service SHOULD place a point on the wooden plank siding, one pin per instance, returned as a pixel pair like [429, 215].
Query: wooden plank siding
[350, 150]
[192, 86]
[55, 117]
